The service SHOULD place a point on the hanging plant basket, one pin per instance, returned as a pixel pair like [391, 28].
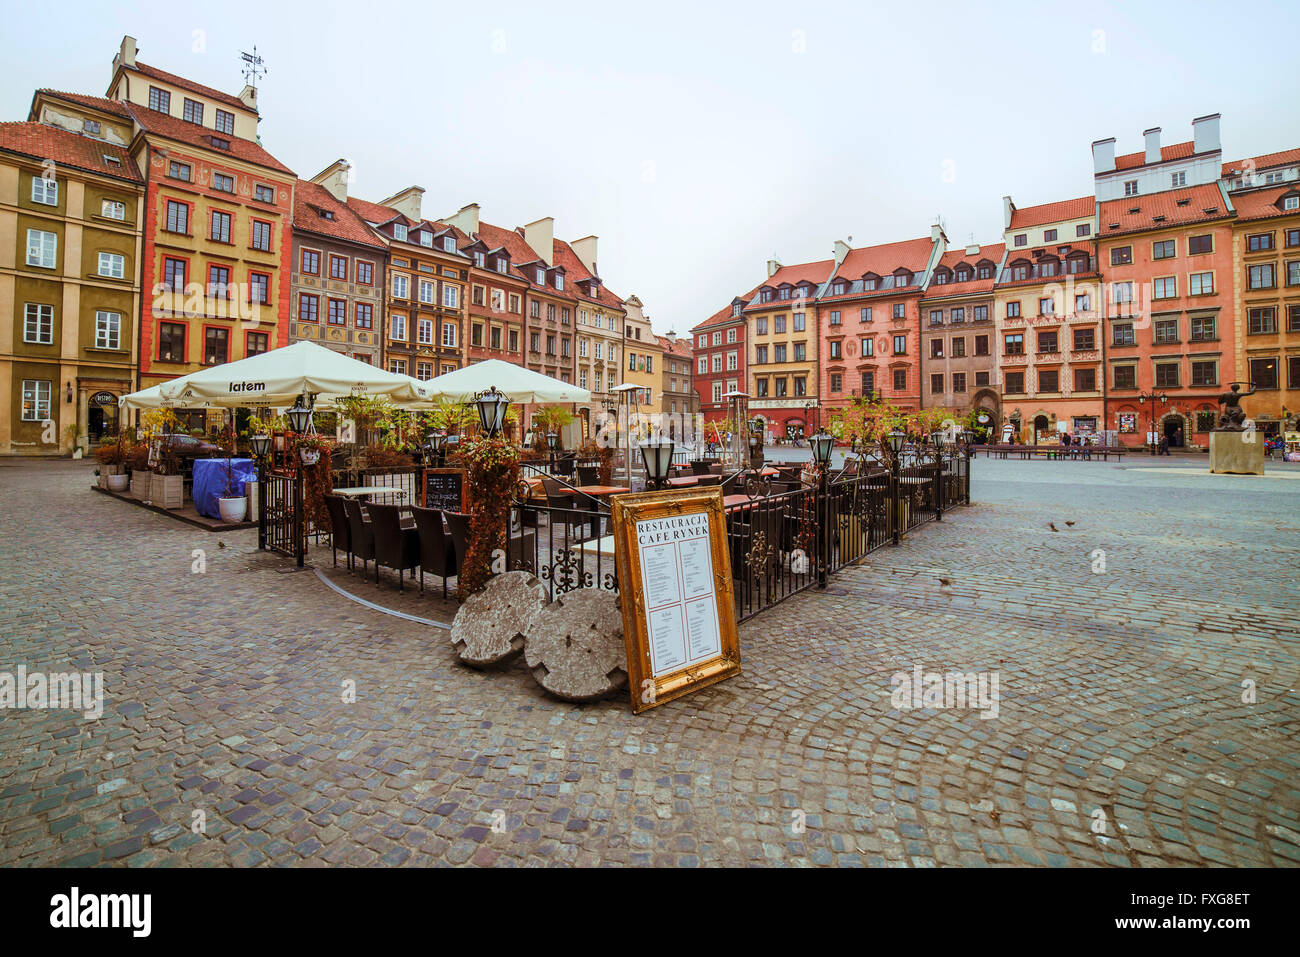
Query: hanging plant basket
[309, 456]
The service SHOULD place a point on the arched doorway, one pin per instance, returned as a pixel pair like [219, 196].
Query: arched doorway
[1175, 427]
[1040, 427]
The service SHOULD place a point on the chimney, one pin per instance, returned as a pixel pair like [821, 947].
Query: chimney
[466, 219]
[125, 53]
[585, 250]
[1103, 156]
[335, 179]
[842, 249]
[1152, 137]
[936, 234]
[772, 267]
[407, 202]
[1205, 134]
[248, 96]
[1008, 208]
[540, 237]
[973, 249]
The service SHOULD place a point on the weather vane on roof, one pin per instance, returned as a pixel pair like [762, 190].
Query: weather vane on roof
[253, 67]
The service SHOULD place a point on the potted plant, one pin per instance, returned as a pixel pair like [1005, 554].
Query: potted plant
[136, 462]
[310, 447]
[233, 507]
[112, 474]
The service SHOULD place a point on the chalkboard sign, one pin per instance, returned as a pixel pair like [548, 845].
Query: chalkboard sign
[445, 489]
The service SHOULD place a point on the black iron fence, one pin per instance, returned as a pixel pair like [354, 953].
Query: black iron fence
[779, 542]
[281, 523]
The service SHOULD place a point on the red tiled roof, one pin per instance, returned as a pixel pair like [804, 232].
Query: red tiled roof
[41, 142]
[1166, 204]
[953, 258]
[1053, 212]
[309, 199]
[1262, 203]
[910, 254]
[681, 348]
[813, 273]
[1171, 152]
[575, 271]
[520, 253]
[372, 212]
[165, 77]
[94, 102]
[1267, 161]
[170, 127]
[723, 316]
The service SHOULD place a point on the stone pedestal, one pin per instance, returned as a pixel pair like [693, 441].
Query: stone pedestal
[1235, 453]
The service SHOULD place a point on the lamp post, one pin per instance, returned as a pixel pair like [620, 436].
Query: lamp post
[657, 456]
[300, 421]
[939, 441]
[552, 442]
[896, 440]
[823, 444]
[261, 446]
[756, 443]
[491, 405]
[1155, 399]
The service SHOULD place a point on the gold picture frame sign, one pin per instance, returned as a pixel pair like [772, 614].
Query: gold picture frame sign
[670, 549]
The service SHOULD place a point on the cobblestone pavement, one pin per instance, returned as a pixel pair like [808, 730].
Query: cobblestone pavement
[1121, 735]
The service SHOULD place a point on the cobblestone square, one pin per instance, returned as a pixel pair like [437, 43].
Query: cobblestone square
[1139, 619]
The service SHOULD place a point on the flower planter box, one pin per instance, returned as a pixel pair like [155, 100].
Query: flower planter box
[141, 483]
[167, 491]
[105, 471]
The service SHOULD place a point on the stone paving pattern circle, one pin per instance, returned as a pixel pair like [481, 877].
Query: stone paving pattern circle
[256, 717]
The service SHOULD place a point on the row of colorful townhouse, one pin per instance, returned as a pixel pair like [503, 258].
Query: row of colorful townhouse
[147, 233]
[1128, 312]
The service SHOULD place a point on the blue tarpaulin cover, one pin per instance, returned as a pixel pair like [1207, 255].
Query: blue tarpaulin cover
[210, 482]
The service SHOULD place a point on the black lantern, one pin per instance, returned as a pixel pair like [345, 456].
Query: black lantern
[261, 445]
[657, 454]
[896, 440]
[552, 441]
[823, 443]
[492, 407]
[299, 418]
[939, 439]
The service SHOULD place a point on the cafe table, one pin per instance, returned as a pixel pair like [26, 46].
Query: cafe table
[363, 492]
[595, 492]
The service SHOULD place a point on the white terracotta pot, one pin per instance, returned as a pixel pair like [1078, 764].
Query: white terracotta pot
[232, 510]
[118, 483]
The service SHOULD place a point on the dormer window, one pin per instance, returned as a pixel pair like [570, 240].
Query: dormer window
[90, 126]
[479, 259]
[941, 278]
[869, 284]
[539, 276]
[193, 111]
[426, 238]
[111, 160]
[837, 289]
[902, 279]
[399, 232]
[559, 281]
[985, 272]
[502, 264]
[765, 295]
[219, 143]
[735, 308]
[449, 244]
[963, 274]
[1290, 202]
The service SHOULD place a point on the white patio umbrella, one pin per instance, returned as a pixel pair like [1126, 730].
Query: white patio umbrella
[519, 385]
[278, 377]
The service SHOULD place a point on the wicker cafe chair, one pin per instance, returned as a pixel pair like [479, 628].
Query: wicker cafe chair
[361, 537]
[340, 530]
[396, 546]
[437, 550]
[558, 496]
[699, 467]
[458, 524]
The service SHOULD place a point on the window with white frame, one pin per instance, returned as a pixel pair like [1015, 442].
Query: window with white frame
[36, 400]
[450, 297]
[112, 265]
[400, 286]
[399, 232]
[42, 248]
[424, 332]
[108, 330]
[599, 349]
[717, 362]
[112, 209]
[45, 191]
[38, 323]
[449, 244]
[717, 392]
[426, 238]
[397, 365]
[613, 379]
[582, 378]
[424, 371]
[731, 361]
[582, 350]
[426, 291]
[717, 338]
[449, 332]
[703, 365]
[397, 326]
[731, 336]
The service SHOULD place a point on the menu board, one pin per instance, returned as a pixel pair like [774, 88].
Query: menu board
[444, 489]
[679, 619]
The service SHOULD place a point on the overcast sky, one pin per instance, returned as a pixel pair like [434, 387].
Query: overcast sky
[699, 139]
